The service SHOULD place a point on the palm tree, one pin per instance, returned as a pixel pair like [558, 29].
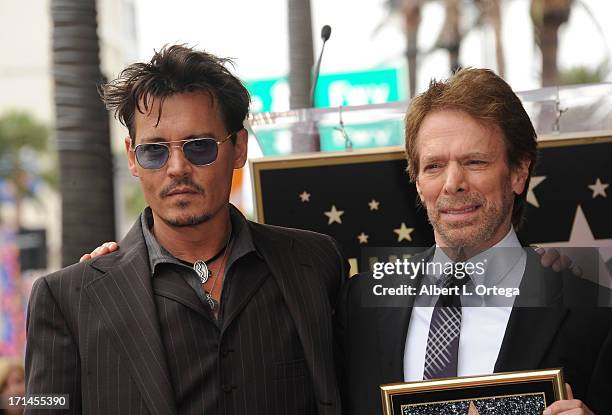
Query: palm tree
[450, 36]
[411, 10]
[301, 58]
[547, 17]
[304, 135]
[491, 13]
[82, 128]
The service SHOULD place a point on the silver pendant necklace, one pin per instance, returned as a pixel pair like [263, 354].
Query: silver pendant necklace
[202, 270]
[201, 267]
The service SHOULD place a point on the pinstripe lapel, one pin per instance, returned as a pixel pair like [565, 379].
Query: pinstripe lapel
[122, 297]
[309, 307]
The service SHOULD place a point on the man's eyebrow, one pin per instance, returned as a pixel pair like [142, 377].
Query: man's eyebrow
[431, 158]
[470, 155]
[477, 155]
[189, 137]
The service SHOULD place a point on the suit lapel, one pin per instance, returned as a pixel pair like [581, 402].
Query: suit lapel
[529, 334]
[122, 297]
[392, 330]
[243, 288]
[308, 305]
[532, 327]
[392, 324]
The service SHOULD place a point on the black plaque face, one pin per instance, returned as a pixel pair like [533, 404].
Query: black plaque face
[527, 404]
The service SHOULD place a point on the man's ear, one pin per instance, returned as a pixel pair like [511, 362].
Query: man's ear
[519, 175]
[241, 148]
[131, 156]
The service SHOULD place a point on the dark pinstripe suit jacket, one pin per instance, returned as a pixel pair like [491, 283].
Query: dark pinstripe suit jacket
[93, 333]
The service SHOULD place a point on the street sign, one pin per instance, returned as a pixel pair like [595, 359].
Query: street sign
[333, 90]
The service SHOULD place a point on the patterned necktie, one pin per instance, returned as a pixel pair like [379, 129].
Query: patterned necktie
[443, 341]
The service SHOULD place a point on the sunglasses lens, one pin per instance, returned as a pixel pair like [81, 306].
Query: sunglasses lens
[201, 151]
[152, 156]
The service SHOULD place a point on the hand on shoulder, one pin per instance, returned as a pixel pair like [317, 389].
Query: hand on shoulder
[105, 248]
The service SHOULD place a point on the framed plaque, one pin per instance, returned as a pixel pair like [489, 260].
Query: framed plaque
[525, 393]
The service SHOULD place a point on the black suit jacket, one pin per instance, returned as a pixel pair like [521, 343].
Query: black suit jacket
[579, 339]
[93, 333]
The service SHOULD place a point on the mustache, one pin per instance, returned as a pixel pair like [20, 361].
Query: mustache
[178, 183]
[462, 200]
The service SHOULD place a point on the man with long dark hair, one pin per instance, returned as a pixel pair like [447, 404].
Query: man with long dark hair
[201, 310]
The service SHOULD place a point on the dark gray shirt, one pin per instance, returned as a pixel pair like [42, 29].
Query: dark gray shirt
[241, 246]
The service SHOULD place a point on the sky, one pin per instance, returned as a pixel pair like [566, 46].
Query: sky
[255, 34]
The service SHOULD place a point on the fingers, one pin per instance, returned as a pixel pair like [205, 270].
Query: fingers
[562, 263]
[577, 271]
[558, 262]
[569, 406]
[549, 257]
[568, 391]
[104, 249]
[552, 258]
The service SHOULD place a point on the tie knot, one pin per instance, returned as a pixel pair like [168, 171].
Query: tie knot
[452, 297]
[450, 280]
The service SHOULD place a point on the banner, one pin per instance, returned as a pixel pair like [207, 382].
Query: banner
[12, 324]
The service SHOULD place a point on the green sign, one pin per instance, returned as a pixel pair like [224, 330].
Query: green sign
[357, 88]
[333, 90]
[269, 95]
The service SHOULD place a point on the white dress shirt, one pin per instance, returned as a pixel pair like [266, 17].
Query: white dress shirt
[483, 319]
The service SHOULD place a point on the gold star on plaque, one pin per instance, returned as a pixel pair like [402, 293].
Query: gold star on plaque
[374, 204]
[305, 196]
[403, 232]
[599, 188]
[334, 215]
[363, 238]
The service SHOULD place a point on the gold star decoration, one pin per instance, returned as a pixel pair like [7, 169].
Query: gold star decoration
[334, 215]
[599, 188]
[305, 196]
[403, 232]
[374, 204]
[363, 238]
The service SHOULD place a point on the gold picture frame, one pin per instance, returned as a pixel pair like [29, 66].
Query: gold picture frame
[534, 389]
